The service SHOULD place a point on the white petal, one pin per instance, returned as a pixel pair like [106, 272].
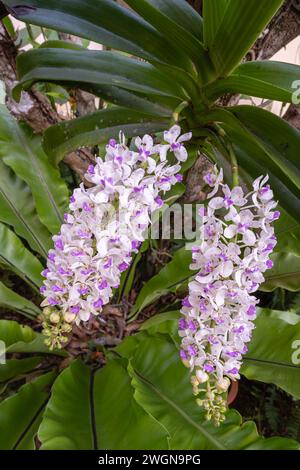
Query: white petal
[230, 231]
[185, 137]
[227, 269]
[249, 238]
[181, 154]
[171, 135]
[163, 152]
[216, 203]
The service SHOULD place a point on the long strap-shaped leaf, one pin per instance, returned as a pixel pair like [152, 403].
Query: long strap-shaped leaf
[21, 414]
[162, 388]
[13, 301]
[102, 21]
[264, 79]
[23, 153]
[242, 23]
[169, 277]
[17, 209]
[98, 127]
[284, 274]
[93, 67]
[183, 14]
[213, 14]
[261, 149]
[15, 257]
[182, 39]
[272, 355]
[79, 413]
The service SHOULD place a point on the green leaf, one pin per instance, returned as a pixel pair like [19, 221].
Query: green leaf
[79, 414]
[154, 105]
[237, 31]
[21, 414]
[12, 332]
[18, 210]
[273, 355]
[22, 339]
[37, 345]
[102, 21]
[22, 151]
[96, 128]
[92, 68]
[213, 14]
[163, 323]
[183, 14]
[15, 257]
[14, 368]
[128, 276]
[279, 139]
[163, 389]
[285, 273]
[287, 231]
[13, 301]
[264, 79]
[169, 277]
[264, 143]
[182, 40]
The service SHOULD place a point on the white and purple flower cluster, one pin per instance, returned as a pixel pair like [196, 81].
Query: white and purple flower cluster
[237, 239]
[105, 226]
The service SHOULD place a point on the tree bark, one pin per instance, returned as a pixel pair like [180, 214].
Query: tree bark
[283, 28]
[34, 108]
[292, 116]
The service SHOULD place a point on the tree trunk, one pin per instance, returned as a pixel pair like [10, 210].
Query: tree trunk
[34, 108]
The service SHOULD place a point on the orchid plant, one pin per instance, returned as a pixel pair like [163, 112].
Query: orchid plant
[98, 319]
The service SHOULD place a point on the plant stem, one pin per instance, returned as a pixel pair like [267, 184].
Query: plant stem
[234, 167]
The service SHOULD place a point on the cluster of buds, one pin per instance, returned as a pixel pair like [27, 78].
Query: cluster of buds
[236, 241]
[105, 225]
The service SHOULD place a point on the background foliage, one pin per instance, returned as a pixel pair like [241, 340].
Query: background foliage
[125, 387]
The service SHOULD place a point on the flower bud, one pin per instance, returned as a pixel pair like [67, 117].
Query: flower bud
[54, 318]
[47, 311]
[69, 317]
[223, 384]
[201, 376]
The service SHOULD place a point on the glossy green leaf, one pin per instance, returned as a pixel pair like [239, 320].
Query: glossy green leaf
[239, 28]
[96, 128]
[17, 209]
[213, 14]
[92, 68]
[181, 39]
[285, 273]
[21, 414]
[128, 276]
[22, 339]
[279, 139]
[183, 14]
[37, 345]
[162, 388]
[163, 323]
[12, 332]
[13, 301]
[96, 410]
[274, 351]
[14, 368]
[15, 257]
[155, 105]
[264, 144]
[22, 151]
[264, 79]
[102, 21]
[169, 278]
[287, 231]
